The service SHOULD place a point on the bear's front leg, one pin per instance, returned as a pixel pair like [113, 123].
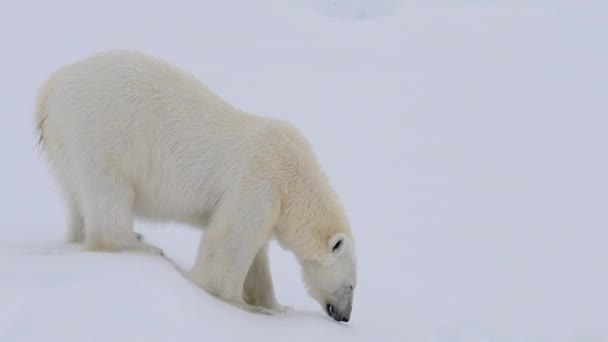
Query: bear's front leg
[226, 253]
[258, 290]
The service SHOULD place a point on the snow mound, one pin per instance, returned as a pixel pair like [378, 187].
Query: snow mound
[354, 9]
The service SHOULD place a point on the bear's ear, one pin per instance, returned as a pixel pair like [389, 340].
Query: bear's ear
[337, 244]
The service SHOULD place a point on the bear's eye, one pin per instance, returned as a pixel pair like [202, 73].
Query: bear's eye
[336, 246]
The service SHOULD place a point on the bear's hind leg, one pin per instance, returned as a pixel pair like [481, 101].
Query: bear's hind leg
[258, 289]
[75, 229]
[108, 218]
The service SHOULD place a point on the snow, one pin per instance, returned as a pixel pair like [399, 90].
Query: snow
[467, 140]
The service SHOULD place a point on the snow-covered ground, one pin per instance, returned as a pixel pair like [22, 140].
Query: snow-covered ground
[467, 139]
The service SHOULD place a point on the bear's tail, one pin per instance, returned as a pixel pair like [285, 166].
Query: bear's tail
[41, 112]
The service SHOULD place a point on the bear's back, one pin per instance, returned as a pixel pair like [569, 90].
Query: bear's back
[142, 119]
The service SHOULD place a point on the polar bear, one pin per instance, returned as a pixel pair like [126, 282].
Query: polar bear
[128, 135]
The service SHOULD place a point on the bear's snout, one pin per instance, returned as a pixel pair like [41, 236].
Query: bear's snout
[341, 306]
[333, 313]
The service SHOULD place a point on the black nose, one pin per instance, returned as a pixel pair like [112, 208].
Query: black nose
[331, 311]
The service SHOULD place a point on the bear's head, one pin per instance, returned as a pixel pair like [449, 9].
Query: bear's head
[331, 278]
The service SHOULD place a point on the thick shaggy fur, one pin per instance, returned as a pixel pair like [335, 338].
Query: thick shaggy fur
[128, 135]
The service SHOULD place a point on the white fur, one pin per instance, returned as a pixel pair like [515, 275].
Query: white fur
[128, 135]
